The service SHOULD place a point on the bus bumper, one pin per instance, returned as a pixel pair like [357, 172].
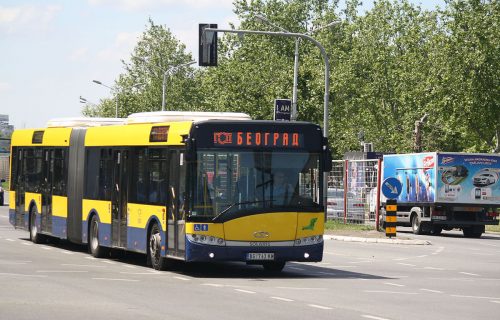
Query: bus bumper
[201, 252]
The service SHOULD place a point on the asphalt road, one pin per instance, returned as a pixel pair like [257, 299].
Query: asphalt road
[454, 278]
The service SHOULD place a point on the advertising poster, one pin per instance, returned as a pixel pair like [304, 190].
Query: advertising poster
[468, 178]
[417, 174]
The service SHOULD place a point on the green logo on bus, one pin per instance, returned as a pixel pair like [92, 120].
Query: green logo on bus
[311, 224]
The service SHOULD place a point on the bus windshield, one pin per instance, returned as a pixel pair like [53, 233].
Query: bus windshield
[235, 183]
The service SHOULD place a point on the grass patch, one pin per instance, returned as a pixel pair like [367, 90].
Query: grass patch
[339, 225]
[493, 228]
[5, 185]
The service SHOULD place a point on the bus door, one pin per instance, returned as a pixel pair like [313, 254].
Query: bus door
[19, 175]
[176, 194]
[46, 190]
[119, 198]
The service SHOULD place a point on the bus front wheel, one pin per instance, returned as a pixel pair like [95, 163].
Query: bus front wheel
[154, 249]
[276, 266]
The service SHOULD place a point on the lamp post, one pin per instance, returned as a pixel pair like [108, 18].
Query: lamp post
[296, 58]
[113, 90]
[171, 69]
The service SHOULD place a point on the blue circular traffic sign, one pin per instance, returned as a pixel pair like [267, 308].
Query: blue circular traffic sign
[391, 188]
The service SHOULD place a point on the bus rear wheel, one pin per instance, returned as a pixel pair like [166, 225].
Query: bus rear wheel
[275, 266]
[154, 249]
[95, 248]
[34, 235]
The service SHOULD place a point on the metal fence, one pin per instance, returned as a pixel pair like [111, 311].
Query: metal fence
[352, 191]
[4, 167]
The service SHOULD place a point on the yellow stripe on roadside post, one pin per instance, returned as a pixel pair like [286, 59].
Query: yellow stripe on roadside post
[391, 218]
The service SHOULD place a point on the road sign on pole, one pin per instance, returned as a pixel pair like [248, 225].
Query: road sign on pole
[391, 188]
[283, 109]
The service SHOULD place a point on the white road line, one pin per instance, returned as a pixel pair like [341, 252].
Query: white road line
[474, 297]
[319, 307]
[367, 316]
[295, 268]
[469, 274]
[497, 301]
[46, 248]
[81, 265]
[67, 252]
[27, 243]
[131, 267]
[297, 288]
[61, 271]
[429, 290]
[213, 285]
[115, 279]
[91, 258]
[407, 264]
[11, 240]
[365, 261]
[434, 268]
[394, 284]
[282, 299]
[107, 261]
[245, 291]
[390, 292]
[22, 275]
[423, 256]
[182, 278]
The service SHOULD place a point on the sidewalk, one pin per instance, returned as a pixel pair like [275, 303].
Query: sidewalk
[372, 237]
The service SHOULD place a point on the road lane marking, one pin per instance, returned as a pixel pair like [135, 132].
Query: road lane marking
[469, 274]
[474, 297]
[67, 252]
[434, 268]
[319, 307]
[27, 243]
[107, 261]
[11, 240]
[81, 265]
[429, 290]
[46, 248]
[245, 291]
[213, 285]
[497, 301]
[131, 267]
[373, 317]
[61, 271]
[407, 264]
[394, 284]
[300, 288]
[390, 292]
[116, 279]
[182, 278]
[282, 299]
[22, 275]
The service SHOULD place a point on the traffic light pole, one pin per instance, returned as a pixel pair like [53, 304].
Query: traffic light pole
[295, 35]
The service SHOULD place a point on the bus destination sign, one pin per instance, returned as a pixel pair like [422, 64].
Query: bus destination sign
[290, 140]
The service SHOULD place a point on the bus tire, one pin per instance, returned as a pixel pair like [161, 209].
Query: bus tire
[154, 257]
[95, 248]
[416, 225]
[35, 236]
[275, 266]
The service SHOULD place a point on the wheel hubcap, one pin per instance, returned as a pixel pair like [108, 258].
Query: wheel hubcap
[154, 245]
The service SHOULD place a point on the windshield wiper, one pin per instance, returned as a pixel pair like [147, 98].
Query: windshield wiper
[236, 204]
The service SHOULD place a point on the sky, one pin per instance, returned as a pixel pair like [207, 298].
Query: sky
[51, 50]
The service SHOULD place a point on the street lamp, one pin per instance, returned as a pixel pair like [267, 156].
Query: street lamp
[113, 90]
[171, 69]
[296, 60]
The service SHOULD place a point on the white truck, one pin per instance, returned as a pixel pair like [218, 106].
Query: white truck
[442, 191]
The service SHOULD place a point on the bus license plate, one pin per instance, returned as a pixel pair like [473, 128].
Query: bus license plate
[260, 256]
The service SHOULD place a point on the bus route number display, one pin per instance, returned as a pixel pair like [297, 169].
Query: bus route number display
[258, 139]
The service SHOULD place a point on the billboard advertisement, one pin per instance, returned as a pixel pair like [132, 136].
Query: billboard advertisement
[417, 174]
[468, 178]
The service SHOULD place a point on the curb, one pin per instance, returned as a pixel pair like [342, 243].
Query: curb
[377, 240]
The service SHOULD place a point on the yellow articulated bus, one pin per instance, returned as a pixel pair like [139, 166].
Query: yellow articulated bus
[193, 186]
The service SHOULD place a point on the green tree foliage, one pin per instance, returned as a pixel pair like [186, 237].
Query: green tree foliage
[390, 66]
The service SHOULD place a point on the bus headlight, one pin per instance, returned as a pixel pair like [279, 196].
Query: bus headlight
[307, 241]
[204, 239]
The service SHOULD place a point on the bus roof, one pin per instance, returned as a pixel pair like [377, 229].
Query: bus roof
[83, 122]
[177, 116]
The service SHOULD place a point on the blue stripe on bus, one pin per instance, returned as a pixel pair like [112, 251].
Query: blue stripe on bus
[199, 252]
[59, 227]
[136, 239]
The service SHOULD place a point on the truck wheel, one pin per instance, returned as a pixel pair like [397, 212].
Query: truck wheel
[416, 225]
[473, 231]
[436, 230]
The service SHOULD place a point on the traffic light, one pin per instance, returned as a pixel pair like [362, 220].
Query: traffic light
[207, 41]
